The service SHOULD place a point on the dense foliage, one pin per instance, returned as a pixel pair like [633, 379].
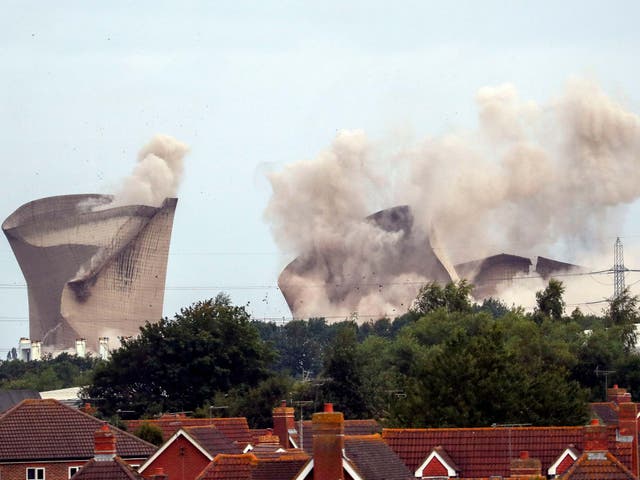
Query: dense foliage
[447, 362]
[178, 364]
[62, 371]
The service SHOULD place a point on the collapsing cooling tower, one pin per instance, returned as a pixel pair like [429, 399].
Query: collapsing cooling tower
[323, 272]
[91, 270]
[326, 271]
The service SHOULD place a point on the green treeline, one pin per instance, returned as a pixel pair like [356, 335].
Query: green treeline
[447, 362]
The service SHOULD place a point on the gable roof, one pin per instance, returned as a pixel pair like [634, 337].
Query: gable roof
[373, 459]
[597, 466]
[485, 452]
[48, 430]
[236, 428]
[208, 440]
[115, 469]
[438, 459]
[213, 440]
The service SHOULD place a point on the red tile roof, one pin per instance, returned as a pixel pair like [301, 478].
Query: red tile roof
[236, 428]
[598, 466]
[110, 470]
[229, 467]
[247, 466]
[485, 452]
[49, 430]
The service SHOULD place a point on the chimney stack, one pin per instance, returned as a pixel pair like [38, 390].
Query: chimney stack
[618, 395]
[105, 444]
[328, 444]
[525, 467]
[628, 431]
[283, 423]
[595, 437]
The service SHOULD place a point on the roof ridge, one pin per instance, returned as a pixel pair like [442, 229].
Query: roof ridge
[367, 436]
[471, 429]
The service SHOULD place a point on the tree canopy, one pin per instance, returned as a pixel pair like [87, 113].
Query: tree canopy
[177, 364]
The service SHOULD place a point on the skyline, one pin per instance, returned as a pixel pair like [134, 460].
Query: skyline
[254, 86]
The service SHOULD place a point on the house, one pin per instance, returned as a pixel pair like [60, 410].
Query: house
[235, 428]
[490, 452]
[597, 462]
[334, 455]
[190, 450]
[349, 457]
[45, 440]
[106, 465]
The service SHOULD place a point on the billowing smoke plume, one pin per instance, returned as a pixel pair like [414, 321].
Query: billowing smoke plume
[157, 174]
[532, 179]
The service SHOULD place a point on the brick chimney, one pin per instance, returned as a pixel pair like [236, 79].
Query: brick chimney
[595, 437]
[628, 430]
[328, 443]
[283, 422]
[105, 444]
[525, 467]
[618, 395]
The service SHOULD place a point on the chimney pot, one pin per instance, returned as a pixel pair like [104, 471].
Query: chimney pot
[328, 408]
[595, 421]
[524, 454]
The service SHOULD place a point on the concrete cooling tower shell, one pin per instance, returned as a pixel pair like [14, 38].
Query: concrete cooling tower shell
[412, 256]
[91, 270]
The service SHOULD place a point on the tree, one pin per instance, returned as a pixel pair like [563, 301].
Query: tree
[343, 371]
[473, 370]
[150, 433]
[549, 302]
[453, 297]
[178, 364]
[623, 315]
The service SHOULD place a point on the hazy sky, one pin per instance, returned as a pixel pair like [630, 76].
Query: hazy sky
[253, 86]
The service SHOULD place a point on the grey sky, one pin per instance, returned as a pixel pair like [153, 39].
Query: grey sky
[252, 86]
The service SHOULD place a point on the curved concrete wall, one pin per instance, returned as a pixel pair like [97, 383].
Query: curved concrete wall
[91, 271]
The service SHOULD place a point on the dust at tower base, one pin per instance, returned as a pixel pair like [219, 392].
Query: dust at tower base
[91, 271]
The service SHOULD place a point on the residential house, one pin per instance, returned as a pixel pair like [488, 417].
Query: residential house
[46, 440]
[106, 465]
[190, 450]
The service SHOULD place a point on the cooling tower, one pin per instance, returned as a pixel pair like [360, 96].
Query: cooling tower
[319, 281]
[91, 271]
[412, 256]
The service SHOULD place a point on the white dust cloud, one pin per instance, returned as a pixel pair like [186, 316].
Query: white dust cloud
[157, 174]
[533, 179]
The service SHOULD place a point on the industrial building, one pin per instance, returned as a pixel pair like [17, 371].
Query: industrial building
[92, 271]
